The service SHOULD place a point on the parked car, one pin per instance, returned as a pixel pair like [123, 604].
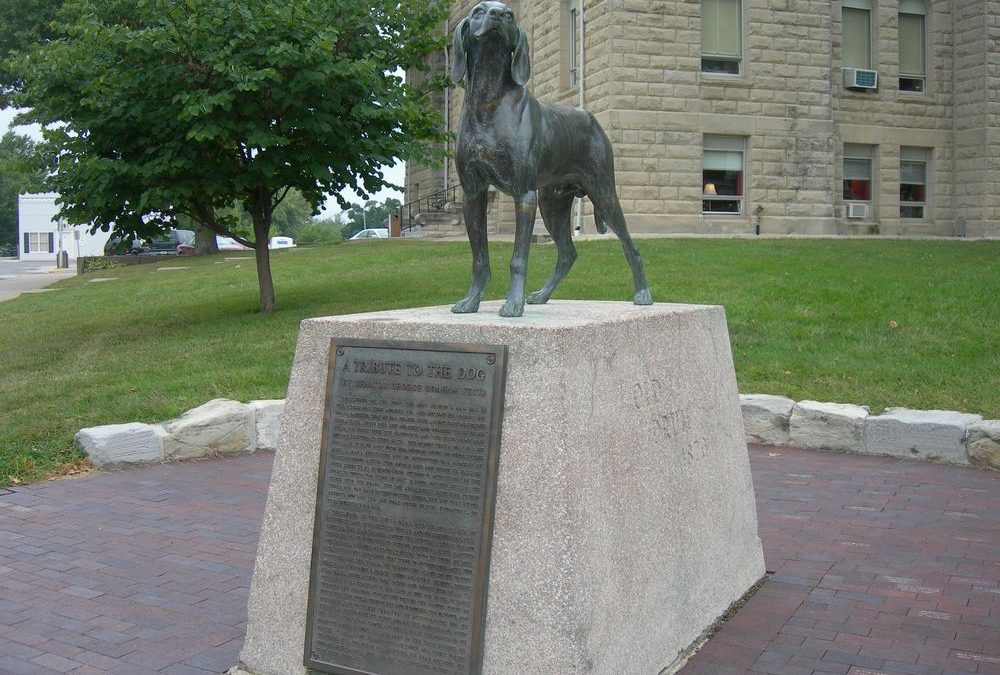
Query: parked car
[164, 244]
[229, 244]
[281, 242]
[372, 233]
[224, 244]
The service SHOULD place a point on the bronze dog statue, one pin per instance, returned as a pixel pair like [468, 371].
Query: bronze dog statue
[541, 154]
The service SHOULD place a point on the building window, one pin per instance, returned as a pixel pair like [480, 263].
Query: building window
[858, 172]
[721, 36]
[573, 47]
[39, 242]
[571, 43]
[912, 45]
[913, 182]
[722, 175]
[857, 38]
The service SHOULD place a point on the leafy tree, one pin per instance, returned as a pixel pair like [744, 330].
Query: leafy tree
[159, 108]
[325, 231]
[22, 169]
[22, 23]
[292, 215]
[370, 215]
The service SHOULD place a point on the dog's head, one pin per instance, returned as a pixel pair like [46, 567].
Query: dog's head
[491, 22]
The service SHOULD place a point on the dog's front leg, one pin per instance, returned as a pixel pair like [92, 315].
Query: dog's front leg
[474, 212]
[526, 205]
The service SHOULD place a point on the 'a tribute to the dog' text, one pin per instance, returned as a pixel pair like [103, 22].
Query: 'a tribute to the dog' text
[404, 512]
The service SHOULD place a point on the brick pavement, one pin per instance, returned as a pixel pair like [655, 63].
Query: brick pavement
[139, 571]
[880, 566]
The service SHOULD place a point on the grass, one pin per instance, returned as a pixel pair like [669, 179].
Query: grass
[904, 323]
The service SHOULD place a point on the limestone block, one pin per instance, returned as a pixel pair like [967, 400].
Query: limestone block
[919, 434]
[267, 419]
[827, 426]
[122, 443]
[219, 427]
[984, 443]
[612, 549]
[766, 418]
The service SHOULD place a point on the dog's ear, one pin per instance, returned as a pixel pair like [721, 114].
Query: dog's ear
[458, 51]
[520, 63]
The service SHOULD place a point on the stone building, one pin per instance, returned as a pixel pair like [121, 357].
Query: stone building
[791, 116]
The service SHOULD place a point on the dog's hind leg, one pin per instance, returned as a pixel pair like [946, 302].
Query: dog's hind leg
[608, 210]
[556, 209]
[474, 212]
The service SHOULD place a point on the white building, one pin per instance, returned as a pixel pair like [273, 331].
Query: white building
[41, 235]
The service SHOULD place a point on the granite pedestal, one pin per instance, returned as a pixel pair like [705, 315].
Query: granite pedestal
[625, 518]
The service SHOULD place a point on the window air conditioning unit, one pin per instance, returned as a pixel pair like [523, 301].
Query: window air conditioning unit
[857, 211]
[856, 78]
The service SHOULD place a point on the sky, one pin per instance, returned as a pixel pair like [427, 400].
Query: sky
[395, 174]
[7, 116]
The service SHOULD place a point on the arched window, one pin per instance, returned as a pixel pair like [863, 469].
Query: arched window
[912, 45]
[857, 29]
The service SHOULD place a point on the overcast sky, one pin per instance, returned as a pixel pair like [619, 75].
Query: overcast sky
[7, 115]
[394, 174]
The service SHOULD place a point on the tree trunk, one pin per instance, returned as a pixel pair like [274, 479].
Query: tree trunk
[261, 216]
[204, 241]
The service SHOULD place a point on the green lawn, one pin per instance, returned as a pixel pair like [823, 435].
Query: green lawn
[905, 323]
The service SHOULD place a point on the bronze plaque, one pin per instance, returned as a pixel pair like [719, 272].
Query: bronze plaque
[404, 508]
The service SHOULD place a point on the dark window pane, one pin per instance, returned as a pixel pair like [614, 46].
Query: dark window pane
[911, 84]
[858, 190]
[720, 206]
[911, 211]
[725, 182]
[912, 193]
[724, 66]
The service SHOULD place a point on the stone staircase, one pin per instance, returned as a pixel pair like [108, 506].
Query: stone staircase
[442, 222]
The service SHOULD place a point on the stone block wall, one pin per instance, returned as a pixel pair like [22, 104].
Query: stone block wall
[977, 115]
[222, 427]
[643, 82]
[888, 118]
[421, 180]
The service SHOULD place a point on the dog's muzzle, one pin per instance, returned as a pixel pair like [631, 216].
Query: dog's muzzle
[486, 26]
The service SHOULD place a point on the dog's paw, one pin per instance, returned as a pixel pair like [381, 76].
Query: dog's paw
[466, 306]
[643, 297]
[512, 308]
[538, 298]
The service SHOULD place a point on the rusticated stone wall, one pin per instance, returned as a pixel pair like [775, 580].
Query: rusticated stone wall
[642, 79]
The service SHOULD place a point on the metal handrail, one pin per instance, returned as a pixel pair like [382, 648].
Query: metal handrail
[432, 202]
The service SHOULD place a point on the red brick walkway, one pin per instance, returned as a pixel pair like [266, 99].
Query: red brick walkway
[133, 572]
[880, 567]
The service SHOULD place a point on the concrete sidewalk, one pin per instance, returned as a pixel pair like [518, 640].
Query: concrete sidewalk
[879, 567]
[17, 277]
